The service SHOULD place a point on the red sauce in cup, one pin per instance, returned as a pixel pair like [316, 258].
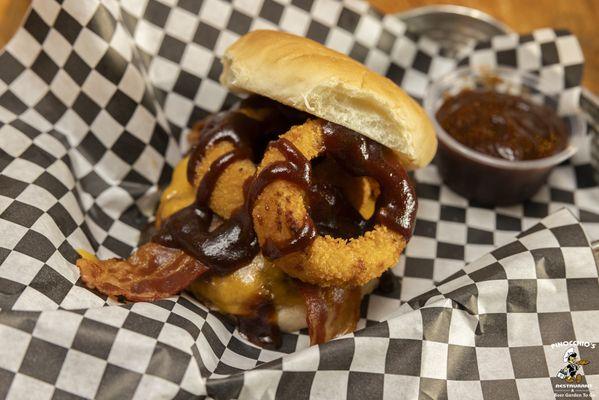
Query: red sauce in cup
[503, 125]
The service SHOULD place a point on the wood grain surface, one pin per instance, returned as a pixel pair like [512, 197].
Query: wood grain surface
[579, 16]
[11, 15]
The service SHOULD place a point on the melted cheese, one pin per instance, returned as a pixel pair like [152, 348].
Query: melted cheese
[238, 292]
[178, 194]
[86, 255]
[364, 198]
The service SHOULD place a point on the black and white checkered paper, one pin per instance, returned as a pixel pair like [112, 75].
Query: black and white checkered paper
[95, 100]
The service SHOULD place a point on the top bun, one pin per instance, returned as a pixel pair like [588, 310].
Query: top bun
[306, 75]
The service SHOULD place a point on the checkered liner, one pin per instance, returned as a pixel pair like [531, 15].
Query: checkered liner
[95, 98]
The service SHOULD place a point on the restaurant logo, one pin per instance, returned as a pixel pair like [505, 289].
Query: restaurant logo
[568, 381]
[571, 371]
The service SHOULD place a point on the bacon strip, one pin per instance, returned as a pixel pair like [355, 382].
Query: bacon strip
[331, 311]
[150, 273]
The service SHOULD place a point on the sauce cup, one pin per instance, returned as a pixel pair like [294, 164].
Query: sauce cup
[482, 178]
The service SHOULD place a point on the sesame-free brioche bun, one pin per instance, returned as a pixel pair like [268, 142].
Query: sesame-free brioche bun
[308, 76]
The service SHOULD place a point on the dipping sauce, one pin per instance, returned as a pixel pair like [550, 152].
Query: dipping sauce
[503, 125]
[497, 143]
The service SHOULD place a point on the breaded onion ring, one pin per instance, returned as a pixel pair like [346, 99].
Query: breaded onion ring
[227, 195]
[280, 214]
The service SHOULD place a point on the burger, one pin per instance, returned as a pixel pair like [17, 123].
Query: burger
[292, 204]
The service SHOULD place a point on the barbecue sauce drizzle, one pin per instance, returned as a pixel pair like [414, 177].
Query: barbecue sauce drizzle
[261, 328]
[297, 169]
[360, 156]
[233, 244]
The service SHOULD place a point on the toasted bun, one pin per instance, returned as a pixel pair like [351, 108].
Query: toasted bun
[308, 76]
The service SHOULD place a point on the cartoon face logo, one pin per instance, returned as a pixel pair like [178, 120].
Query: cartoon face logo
[569, 372]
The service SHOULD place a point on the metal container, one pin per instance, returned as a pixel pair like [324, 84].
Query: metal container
[455, 28]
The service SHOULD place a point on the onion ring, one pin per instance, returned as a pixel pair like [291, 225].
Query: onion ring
[280, 214]
[240, 134]
[227, 195]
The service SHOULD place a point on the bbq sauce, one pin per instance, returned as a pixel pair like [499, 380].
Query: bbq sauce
[227, 125]
[333, 214]
[232, 244]
[261, 326]
[360, 156]
[503, 125]
[250, 135]
[388, 282]
[297, 169]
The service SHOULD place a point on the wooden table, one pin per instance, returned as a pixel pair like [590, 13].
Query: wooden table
[580, 16]
[11, 14]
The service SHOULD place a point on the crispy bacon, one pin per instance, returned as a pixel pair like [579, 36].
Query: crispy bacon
[330, 311]
[150, 273]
